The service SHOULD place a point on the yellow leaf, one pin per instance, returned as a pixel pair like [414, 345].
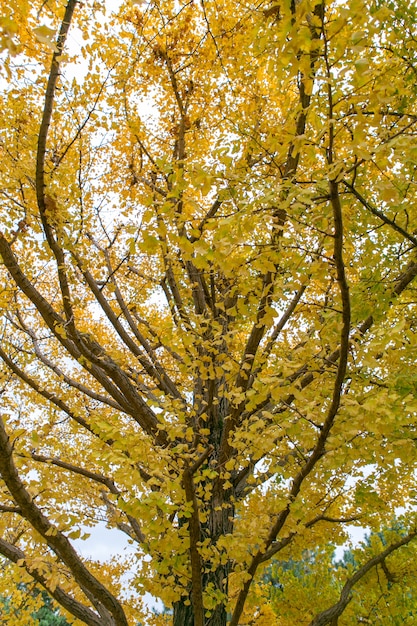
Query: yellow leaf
[45, 35]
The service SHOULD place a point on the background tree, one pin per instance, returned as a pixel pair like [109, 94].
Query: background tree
[208, 312]
[295, 590]
[24, 602]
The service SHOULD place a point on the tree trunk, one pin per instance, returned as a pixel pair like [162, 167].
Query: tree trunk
[220, 522]
[184, 616]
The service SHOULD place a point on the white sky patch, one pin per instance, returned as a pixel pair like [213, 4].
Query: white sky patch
[356, 536]
[105, 544]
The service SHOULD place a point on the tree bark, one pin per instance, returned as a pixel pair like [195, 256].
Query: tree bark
[219, 523]
[184, 614]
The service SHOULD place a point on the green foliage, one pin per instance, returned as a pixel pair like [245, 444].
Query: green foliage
[298, 589]
[46, 614]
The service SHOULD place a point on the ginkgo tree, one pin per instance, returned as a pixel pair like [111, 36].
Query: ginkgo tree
[208, 232]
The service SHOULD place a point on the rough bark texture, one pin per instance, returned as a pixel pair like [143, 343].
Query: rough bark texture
[183, 615]
[219, 523]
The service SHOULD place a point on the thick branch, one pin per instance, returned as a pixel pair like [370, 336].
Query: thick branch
[154, 368]
[51, 397]
[83, 613]
[55, 539]
[210, 214]
[46, 203]
[98, 478]
[290, 169]
[277, 546]
[86, 351]
[156, 372]
[49, 98]
[71, 382]
[318, 450]
[279, 327]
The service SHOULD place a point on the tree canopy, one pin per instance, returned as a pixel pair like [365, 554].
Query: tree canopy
[208, 306]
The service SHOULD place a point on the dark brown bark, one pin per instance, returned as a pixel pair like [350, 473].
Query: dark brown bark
[83, 613]
[183, 614]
